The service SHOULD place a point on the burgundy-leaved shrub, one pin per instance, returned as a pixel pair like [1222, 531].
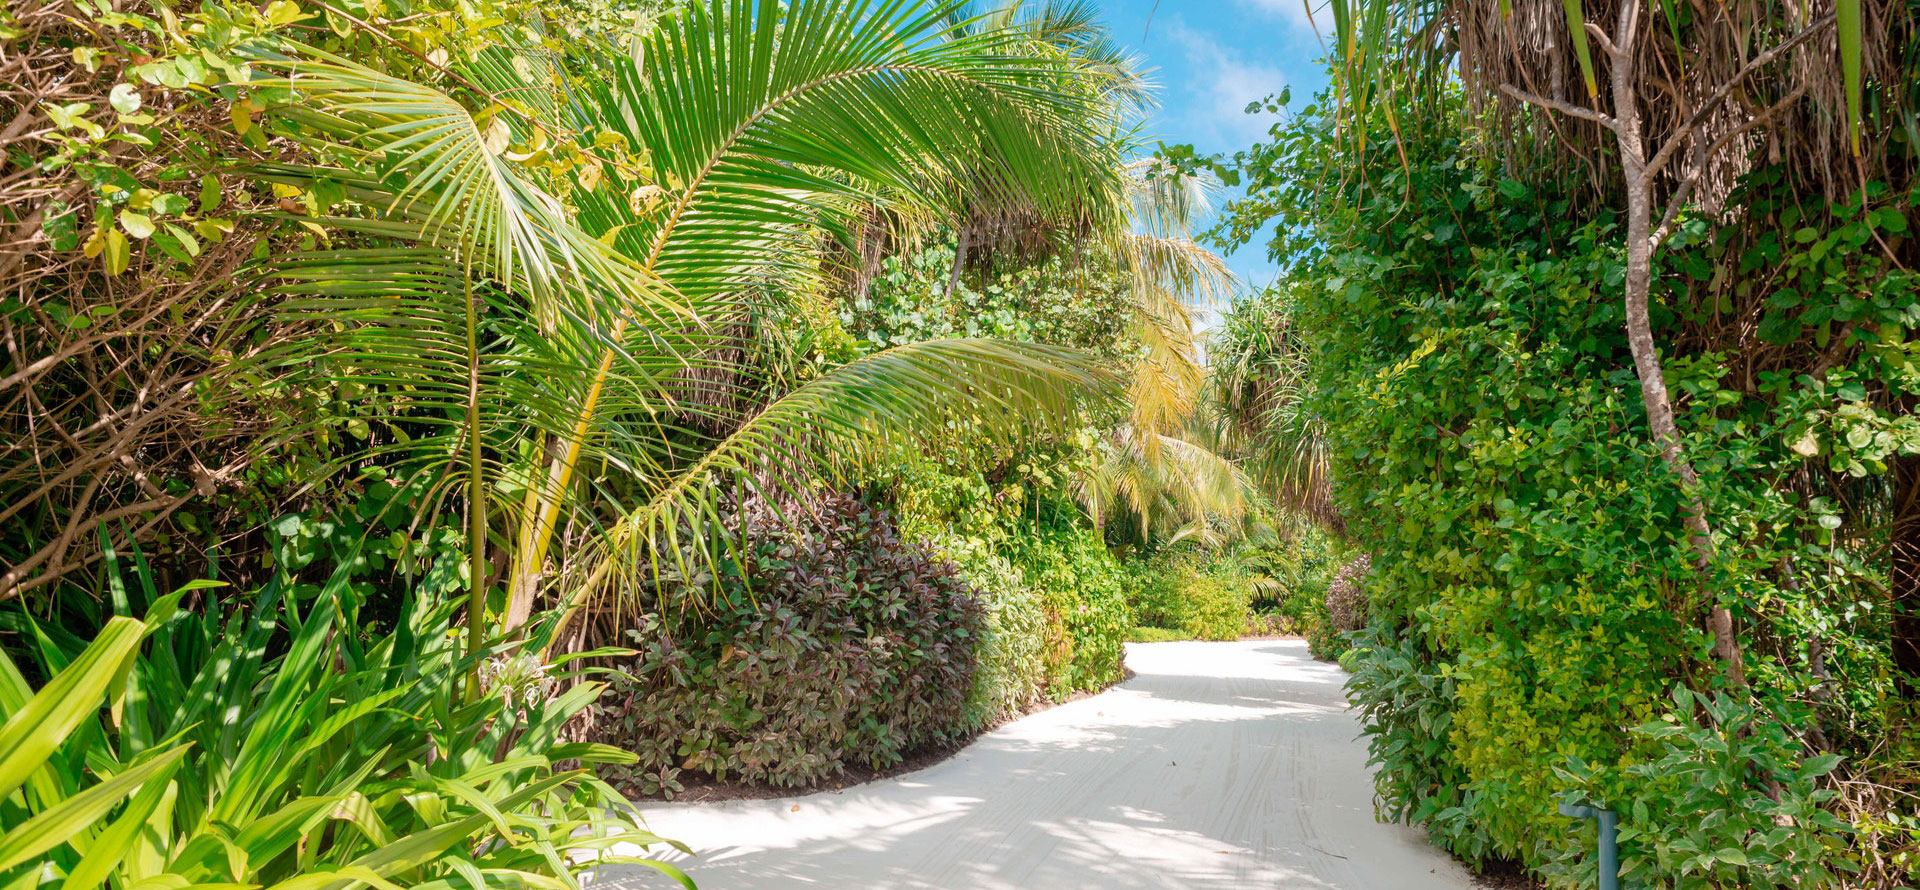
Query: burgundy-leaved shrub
[842, 645]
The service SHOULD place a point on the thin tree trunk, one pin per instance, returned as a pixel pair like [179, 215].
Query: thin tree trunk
[959, 261]
[873, 241]
[1903, 576]
[1646, 352]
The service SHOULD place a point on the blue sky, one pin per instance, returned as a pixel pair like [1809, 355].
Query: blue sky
[1212, 57]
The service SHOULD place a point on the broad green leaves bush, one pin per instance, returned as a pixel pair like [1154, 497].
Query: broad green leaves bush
[281, 749]
[1056, 300]
[836, 644]
[1081, 588]
[1012, 644]
[1029, 520]
[1699, 819]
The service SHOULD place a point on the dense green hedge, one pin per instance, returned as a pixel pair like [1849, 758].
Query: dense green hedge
[1194, 595]
[1533, 602]
[1081, 588]
[1012, 645]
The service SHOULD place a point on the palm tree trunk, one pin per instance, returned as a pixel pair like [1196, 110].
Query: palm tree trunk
[873, 241]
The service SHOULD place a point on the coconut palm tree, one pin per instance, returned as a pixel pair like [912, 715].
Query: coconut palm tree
[547, 257]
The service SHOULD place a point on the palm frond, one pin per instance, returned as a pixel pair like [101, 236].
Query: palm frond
[858, 413]
[1167, 484]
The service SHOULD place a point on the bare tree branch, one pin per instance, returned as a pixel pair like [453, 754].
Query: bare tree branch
[1686, 186]
[1566, 108]
[1600, 35]
[1685, 131]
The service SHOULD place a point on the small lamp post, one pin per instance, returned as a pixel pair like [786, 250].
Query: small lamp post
[1609, 839]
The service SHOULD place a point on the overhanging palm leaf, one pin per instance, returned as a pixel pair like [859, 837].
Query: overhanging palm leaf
[755, 125]
[1169, 275]
[861, 412]
[475, 306]
[755, 117]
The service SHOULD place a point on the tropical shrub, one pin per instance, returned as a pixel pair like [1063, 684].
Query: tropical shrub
[339, 756]
[1153, 596]
[1289, 576]
[1191, 593]
[1216, 605]
[1082, 594]
[1534, 592]
[828, 645]
[1345, 611]
[1406, 707]
[1698, 818]
[1012, 643]
[1030, 520]
[1272, 624]
[1149, 634]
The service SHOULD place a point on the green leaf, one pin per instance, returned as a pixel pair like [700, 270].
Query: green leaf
[168, 204]
[137, 224]
[62, 226]
[1577, 29]
[1849, 22]
[186, 239]
[283, 12]
[79, 813]
[117, 252]
[119, 839]
[1820, 766]
[32, 734]
[124, 98]
[209, 193]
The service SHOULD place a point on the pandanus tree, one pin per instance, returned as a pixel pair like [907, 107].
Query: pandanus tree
[546, 252]
[1256, 406]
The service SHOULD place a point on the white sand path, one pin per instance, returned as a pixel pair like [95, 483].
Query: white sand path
[1220, 765]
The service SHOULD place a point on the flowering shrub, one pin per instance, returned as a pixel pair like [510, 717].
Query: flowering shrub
[842, 645]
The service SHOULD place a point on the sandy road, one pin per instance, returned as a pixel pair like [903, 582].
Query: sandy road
[1220, 765]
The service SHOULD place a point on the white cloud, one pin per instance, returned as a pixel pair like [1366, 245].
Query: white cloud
[1293, 11]
[1219, 87]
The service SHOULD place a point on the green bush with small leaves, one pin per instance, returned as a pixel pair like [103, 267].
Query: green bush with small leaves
[1193, 594]
[1533, 594]
[1082, 592]
[1012, 644]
